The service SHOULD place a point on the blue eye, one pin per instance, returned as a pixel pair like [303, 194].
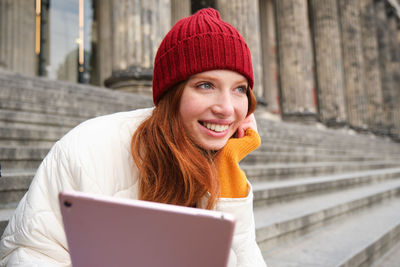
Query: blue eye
[205, 85]
[242, 89]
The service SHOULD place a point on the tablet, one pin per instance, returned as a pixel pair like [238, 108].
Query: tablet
[107, 231]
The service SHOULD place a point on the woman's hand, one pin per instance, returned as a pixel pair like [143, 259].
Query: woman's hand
[249, 122]
[232, 180]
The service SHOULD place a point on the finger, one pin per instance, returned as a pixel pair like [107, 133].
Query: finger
[250, 122]
[240, 132]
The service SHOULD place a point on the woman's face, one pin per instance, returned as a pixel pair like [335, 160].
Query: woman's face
[213, 104]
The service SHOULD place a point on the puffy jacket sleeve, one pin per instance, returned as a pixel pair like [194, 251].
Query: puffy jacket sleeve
[245, 251]
[35, 235]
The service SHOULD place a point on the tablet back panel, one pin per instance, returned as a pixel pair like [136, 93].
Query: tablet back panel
[105, 231]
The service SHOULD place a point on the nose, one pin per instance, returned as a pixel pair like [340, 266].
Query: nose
[223, 105]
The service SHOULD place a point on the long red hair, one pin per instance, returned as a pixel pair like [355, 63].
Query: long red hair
[172, 169]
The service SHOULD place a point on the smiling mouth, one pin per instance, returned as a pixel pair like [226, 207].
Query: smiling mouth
[215, 127]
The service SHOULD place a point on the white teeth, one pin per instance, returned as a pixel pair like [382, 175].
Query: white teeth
[216, 127]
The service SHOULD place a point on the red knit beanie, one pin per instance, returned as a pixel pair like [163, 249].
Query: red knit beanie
[199, 43]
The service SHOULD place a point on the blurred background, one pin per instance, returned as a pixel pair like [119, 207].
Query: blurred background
[326, 179]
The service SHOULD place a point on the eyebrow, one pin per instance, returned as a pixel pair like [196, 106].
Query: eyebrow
[201, 76]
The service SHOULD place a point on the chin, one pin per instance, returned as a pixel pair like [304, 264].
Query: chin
[213, 147]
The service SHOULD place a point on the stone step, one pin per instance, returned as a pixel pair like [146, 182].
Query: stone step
[273, 172]
[41, 90]
[15, 179]
[266, 193]
[276, 147]
[68, 102]
[291, 129]
[14, 184]
[80, 112]
[30, 119]
[357, 240]
[286, 132]
[17, 135]
[21, 157]
[33, 127]
[281, 223]
[390, 258]
[275, 157]
[312, 133]
[20, 164]
[394, 148]
[16, 81]
[343, 141]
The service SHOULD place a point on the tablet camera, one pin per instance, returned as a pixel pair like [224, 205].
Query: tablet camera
[67, 203]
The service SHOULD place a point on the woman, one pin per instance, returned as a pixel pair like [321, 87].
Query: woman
[185, 151]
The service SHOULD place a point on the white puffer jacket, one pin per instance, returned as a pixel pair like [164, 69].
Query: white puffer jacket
[95, 157]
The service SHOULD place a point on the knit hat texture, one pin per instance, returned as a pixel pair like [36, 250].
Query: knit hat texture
[196, 44]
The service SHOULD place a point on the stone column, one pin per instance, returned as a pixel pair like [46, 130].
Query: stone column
[328, 62]
[372, 76]
[384, 63]
[244, 16]
[17, 36]
[269, 56]
[295, 60]
[353, 63]
[137, 29]
[393, 24]
[179, 9]
[102, 68]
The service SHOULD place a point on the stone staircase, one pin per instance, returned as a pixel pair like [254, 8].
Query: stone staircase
[325, 197]
[322, 197]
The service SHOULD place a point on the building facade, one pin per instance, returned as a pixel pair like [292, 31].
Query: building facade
[333, 61]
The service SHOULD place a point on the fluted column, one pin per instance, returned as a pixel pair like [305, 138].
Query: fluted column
[101, 67]
[138, 27]
[269, 55]
[372, 76]
[17, 36]
[295, 60]
[353, 63]
[384, 63]
[179, 9]
[328, 62]
[393, 24]
[244, 16]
